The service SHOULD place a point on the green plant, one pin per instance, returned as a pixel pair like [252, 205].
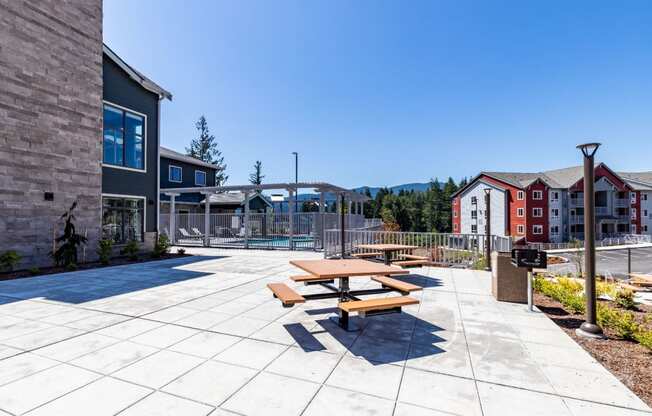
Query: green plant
[131, 250]
[104, 250]
[644, 338]
[162, 246]
[479, 264]
[34, 271]
[9, 260]
[66, 254]
[625, 299]
[181, 251]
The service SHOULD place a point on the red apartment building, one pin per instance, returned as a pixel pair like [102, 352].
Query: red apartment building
[548, 206]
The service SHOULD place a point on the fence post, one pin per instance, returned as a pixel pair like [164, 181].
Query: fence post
[291, 219]
[321, 219]
[173, 229]
[246, 220]
[629, 261]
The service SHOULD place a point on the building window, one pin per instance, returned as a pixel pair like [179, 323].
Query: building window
[474, 215]
[538, 195]
[644, 196]
[123, 219]
[200, 178]
[633, 211]
[520, 212]
[645, 228]
[175, 174]
[454, 214]
[632, 197]
[520, 229]
[633, 228]
[474, 200]
[554, 196]
[537, 212]
[124, 143]
[555, 212]
[520, 195]
[554, 230]
[537, 229]
[474, 229]
[645, 212]
[455, 227]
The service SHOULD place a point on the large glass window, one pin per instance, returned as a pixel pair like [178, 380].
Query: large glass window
[175, 174]
[124, 143]
[122, 219]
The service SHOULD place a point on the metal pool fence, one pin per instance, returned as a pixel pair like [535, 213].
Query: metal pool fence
[445, 249]
[266, 230]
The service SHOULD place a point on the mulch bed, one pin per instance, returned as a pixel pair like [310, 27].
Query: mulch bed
[627, 360]
[116, 261]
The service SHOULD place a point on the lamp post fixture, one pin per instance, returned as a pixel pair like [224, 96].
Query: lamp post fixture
[589, 328]
[487, 244]
[296, 180]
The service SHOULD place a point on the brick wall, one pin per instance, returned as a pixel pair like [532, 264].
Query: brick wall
[50, 121]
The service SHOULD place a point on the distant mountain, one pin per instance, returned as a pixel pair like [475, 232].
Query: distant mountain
[416, 186]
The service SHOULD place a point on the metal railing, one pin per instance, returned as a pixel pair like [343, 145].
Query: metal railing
[262, 230]
[606, 240]
[444, 249]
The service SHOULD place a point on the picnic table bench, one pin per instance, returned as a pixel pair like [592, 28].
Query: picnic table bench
[387, 249]
[324, 272]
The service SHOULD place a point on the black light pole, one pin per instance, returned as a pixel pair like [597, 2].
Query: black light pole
[487, 203]
[296, 179]
[590, 327]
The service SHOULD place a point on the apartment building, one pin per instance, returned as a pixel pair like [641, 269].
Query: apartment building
[549, 206]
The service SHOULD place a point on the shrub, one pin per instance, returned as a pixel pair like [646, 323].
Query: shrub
[34, 271]
[66, 254]
[605, 288]
[479, 264]
[9, 260]
[131, 250]
[565, 291]
[104, 249]
[181, 251]
[162, 246]
[625, 299]
[644, 338]
[570, 285]
[623, 323]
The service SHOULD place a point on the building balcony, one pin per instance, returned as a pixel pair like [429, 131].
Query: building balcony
[576, 202]
[622, 203]
[602, 211]
[577, 219]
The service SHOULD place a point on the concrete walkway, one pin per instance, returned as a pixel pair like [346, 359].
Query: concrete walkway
[202, 335]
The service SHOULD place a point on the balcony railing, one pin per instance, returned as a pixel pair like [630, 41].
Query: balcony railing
[577, 219]
[622, 203]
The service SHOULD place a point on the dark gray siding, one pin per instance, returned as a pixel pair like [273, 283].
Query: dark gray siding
[121, 90]
[188, 172]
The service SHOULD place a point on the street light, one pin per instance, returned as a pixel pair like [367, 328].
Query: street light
[296, 179]
[589, 328]
[487, 203]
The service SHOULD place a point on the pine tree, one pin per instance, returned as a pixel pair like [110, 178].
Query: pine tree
[256, 178]
[205, 149]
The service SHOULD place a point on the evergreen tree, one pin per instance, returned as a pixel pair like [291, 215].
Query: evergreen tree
[205, 149]
[256, 178]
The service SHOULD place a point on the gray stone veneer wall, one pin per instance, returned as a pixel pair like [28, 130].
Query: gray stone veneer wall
[50, 122]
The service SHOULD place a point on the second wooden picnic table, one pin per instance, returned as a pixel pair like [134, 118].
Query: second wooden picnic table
[387, 249]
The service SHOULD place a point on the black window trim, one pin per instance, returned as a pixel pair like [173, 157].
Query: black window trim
[170, 166]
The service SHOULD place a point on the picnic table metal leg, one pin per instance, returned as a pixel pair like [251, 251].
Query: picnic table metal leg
[388, 258]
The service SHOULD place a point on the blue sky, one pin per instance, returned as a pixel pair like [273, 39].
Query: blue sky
[389, 92]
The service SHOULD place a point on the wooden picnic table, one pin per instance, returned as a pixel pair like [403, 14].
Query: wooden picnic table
[387, 249]
[325, 271]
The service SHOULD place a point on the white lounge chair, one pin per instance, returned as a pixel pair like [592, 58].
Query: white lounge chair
[197, 232]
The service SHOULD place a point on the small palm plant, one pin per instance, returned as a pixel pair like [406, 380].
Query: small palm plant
[66, 254]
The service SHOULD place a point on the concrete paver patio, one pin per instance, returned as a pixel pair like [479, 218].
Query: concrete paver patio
[203, 335]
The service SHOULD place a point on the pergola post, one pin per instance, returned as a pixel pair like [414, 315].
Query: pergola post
[207, 220]
[291, 219]
[173, 219]
[321, 218]
[246, 220]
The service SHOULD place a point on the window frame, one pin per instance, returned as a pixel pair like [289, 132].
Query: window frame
[476, 228]
[124, 139]
[553, 214]
[170, 173]
[535, 193]
[520, 212]
[553, 228]
[205, 178]
[554, 195]
[121, 196]
[520, 195]
[520, 229]
[535, 210]
[537, 227]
